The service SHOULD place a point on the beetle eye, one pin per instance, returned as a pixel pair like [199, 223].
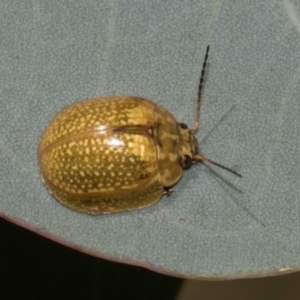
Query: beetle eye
[188, 162]
[183, 126]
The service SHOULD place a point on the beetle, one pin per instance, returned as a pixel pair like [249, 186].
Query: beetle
[118, 153]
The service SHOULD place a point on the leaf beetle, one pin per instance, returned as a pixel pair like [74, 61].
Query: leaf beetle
[115, 154]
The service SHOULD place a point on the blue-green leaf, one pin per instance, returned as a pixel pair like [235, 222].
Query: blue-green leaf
[215, 225]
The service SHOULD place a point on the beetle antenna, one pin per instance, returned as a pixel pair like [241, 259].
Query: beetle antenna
[203, 158]
[196, 125]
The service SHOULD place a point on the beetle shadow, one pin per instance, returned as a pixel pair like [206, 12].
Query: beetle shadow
[237, 203]
[222, 119]
[222, 178]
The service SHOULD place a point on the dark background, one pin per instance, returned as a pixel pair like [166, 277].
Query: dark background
[33, 267]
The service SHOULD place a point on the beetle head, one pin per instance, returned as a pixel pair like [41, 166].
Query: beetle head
[189, 150]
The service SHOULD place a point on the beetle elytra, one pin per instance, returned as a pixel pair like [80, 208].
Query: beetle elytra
[116, 154]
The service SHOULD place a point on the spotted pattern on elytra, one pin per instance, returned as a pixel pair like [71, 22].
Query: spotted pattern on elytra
[96, 115]
[112, 148]
[93, 164]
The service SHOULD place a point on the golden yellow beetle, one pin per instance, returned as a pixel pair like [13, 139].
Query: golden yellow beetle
[115, 154]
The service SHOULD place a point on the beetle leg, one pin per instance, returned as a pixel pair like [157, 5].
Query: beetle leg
[168, 191]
